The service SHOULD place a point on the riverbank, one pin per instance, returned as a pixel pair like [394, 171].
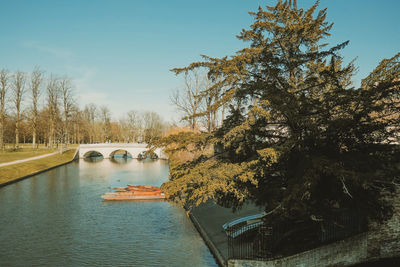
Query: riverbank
[16, 172]
[208, 218]
[381, 244]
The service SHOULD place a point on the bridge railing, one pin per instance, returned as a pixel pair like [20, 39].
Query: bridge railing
[141, 145]
[254, 240]
[107, 149]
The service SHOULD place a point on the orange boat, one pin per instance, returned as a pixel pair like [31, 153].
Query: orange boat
[138, 188]
[138, 192]
[144, 188]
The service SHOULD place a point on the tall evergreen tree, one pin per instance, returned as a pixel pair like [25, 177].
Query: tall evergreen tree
[299, 139]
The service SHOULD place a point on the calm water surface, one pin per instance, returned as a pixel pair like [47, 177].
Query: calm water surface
[58, 219]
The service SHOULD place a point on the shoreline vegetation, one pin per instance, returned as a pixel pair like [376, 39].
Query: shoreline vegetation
[16, 172]
[297, 138]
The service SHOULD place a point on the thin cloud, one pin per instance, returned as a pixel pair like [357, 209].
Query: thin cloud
[58, 52]
[97, 98]
[86, 93]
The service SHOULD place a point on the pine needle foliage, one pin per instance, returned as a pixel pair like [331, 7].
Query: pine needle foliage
[299, 139]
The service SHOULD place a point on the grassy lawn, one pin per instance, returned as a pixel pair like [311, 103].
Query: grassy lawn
[15, 171]
[22, 153]
[25, 151]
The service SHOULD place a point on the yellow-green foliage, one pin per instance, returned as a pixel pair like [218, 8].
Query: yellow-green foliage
[297, 135]
[15, 171]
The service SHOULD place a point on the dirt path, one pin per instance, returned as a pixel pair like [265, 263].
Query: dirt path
[28, 159]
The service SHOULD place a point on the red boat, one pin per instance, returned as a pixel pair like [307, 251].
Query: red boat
[137, 192]
[138, 188]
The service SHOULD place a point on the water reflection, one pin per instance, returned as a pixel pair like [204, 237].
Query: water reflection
[58, 219]
[93, 159]
[120, 160]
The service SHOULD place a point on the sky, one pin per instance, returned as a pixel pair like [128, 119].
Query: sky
[119, 52]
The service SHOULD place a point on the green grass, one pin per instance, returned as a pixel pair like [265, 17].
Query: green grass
[25, 151]
[11, 155]
[16, 171]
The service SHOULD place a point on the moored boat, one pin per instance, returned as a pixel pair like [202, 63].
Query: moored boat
[138, 188]
[143, 188]
[132, 196]
[137, 192]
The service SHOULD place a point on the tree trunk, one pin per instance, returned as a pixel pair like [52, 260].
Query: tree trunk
[214, 124]
[209, 122]
[2, 127]
[34, 121]
[51, 134]
[2, 134]
[34, 139]
[223, 114]
[17, 132]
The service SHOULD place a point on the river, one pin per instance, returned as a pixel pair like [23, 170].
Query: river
[57, 218]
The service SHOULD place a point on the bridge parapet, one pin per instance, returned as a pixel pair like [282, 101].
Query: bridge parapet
[108, 149]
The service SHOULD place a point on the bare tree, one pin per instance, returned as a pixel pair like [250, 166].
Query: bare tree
[77, 124]
[66, 91]
[105, 116]
[53, 92]
[18, 90]
[90, 114]
[153, 126]
[36, 81]
[188, 99]
[211, 104]
[134, 125]
[4, 79]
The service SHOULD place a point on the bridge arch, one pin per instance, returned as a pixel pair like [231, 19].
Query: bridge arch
[92, 153]
[108, 150]
[125, 153]
[145, 153]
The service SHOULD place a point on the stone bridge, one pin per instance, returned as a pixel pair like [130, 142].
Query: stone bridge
[107, 150]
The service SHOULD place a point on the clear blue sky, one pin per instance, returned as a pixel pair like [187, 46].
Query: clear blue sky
[119, 53]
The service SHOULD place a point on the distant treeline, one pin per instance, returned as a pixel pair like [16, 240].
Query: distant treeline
[36, 108]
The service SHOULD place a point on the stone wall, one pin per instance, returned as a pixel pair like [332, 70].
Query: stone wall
[381, 241]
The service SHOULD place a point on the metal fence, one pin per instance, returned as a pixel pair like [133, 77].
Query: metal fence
[256, 240]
